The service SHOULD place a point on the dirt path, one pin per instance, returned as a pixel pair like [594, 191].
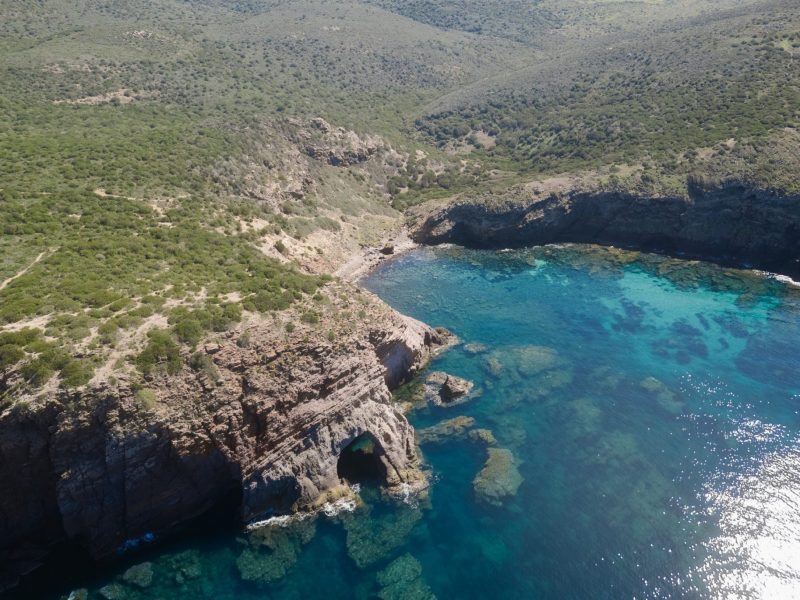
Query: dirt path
[23, 271]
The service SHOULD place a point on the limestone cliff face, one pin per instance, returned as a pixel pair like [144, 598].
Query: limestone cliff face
[101, 468]
[732, 223]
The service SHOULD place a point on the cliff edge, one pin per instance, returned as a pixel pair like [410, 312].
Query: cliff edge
[730, 223]
[265, 418]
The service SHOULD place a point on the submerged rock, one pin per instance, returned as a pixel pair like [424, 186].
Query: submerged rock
[273, 550]
[186, 566]
[606, 377]
[140, 575]
[113, 591]
[664, 396]
[532, 360]
[498, 479]
[484, 436]
[370, 539]
[527, 363]
[492, 366]
[402, 580]
[616, 449]
[260, 568]
[448, 429]
[586, 417]
[475, 348]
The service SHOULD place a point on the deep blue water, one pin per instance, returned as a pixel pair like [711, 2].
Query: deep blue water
[647, 410]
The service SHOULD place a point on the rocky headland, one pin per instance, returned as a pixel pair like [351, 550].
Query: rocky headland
[732, 223]
[264, 419]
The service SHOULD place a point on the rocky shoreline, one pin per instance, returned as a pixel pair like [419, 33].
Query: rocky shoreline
[106, 467]
[368, 258]
[269, 422]
[733, 224]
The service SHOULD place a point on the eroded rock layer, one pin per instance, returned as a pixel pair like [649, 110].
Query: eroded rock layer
[731, 223]
[268, 421]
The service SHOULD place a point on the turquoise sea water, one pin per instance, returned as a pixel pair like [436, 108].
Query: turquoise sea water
[645, 443]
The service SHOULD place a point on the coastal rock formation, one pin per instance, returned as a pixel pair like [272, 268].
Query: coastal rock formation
[101, 467]
[444, 389]
[454, 387]
[371, 539]
[447, 429]
[498, 479]
[732, 223]
[272, 551]
[402, 580]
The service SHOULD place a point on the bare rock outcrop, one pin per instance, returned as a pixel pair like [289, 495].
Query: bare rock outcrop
[103, 468]
[731, 223]
[338, 146]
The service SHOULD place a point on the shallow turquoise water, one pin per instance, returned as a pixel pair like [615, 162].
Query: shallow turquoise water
[650, 410]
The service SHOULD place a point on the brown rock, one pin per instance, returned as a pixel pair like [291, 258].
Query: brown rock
[454, 387]
[92, 465]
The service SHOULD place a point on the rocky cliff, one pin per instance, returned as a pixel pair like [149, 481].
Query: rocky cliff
[732, 223]
[266, 418]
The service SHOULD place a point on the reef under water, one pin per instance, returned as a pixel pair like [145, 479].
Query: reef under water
[633, 431]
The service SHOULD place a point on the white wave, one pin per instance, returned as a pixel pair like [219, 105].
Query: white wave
[279, 521]
[331, 509]
[408, 495]
[785, 279]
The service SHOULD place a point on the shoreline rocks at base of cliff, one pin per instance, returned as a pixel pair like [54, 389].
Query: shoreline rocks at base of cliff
[445, 390]
[104, 470]
[370, 539]
[140, 575]
[732, 224]
[272, 551]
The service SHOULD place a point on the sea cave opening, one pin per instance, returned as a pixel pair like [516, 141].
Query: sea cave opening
[362, 462]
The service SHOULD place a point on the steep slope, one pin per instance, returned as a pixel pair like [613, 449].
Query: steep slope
[260, 416]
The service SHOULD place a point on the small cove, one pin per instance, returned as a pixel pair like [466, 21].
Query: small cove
[640, 419]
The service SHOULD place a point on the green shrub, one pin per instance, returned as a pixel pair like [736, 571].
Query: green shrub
[75, 373]
[189, 331]
[160, 355]
[10, 354]
[200, 361]
[244, 340]
[23, 337]
[145, 398]
[309, 317]
[37, 372]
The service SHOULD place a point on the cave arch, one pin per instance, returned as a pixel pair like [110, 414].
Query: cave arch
[363, 461]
